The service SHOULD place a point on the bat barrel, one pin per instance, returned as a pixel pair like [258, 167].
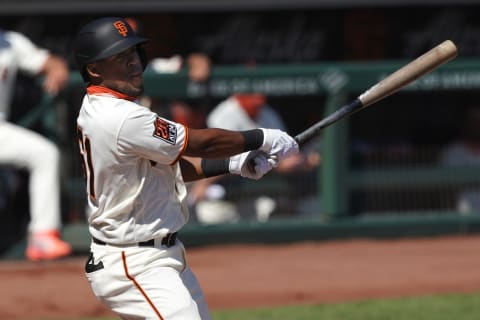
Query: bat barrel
[427, 62]
[422, 65]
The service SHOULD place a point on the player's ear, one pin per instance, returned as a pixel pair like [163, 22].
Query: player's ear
[93, 71]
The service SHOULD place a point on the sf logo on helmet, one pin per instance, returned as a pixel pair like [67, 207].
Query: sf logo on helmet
[121, 27]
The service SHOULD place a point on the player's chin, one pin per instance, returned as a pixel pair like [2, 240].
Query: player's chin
[136, 85]
[132, 90]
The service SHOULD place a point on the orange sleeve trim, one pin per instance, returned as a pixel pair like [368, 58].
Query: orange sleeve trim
[137, 285]
[185, 143]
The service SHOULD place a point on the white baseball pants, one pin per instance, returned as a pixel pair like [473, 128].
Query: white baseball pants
[148, 283]
[29, 150]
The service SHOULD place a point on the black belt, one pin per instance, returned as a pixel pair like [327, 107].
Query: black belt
[168, 240]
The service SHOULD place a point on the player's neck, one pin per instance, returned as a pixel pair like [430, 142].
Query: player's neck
[101, 90]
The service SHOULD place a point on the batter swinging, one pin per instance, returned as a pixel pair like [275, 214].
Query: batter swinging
[136, 165]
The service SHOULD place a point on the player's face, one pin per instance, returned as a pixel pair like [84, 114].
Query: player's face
[123, 72]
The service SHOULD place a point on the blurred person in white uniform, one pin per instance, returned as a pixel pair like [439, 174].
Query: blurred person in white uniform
[26, 149]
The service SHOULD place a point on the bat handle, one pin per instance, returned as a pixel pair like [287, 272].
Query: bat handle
[298, 140]
[346, 110]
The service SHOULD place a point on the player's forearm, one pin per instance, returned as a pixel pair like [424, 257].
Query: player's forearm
[219, 143]
[198, 168]
[191, 169]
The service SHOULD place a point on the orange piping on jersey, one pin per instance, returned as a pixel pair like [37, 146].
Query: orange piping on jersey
[124, 258]
[99, 90]
[183, 147]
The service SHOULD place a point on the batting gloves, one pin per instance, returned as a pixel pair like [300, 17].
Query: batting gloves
[278, 144]
[252, 164]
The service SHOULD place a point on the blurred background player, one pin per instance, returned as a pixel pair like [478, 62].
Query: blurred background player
[464, 151]
[25, 149]
[245, 111]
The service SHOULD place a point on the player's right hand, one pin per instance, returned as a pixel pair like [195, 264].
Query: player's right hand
[278, 143]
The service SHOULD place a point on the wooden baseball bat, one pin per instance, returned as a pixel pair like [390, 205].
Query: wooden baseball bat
[422, 65]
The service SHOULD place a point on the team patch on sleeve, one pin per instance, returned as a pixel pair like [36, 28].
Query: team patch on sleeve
[165, 131]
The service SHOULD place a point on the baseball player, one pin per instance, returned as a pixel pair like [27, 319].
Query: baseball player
[136, 166]
[26, 149]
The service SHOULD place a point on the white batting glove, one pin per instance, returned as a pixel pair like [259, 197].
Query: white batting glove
[252, 164]
[278, 144]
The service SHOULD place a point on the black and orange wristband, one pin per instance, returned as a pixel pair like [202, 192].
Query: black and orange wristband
[253, 139]
[215, 167]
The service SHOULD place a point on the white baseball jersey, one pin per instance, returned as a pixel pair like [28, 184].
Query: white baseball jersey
[134, 184]
[16, 53]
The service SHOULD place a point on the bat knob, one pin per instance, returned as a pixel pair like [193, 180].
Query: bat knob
[273, 160]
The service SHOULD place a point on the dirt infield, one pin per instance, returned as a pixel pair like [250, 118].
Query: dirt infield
[246, 276]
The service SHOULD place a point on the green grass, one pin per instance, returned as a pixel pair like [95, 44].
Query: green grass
[438, 307]
[445, 307]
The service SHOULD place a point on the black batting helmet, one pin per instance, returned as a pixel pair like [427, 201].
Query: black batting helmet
[103, 38]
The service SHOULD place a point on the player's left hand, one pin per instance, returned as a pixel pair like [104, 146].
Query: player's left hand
[278, 144]
[252, 164]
